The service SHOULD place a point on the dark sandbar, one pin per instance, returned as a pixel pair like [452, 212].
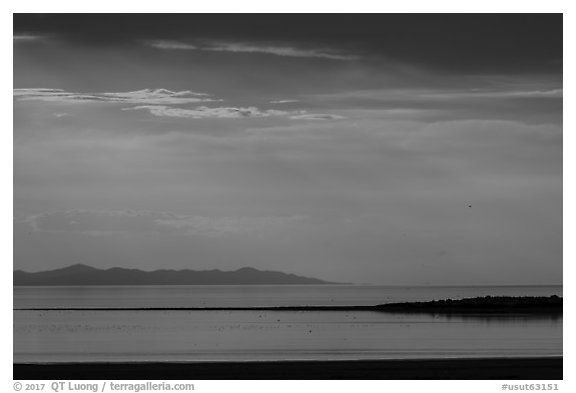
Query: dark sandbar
[487, 304]
[549, 368]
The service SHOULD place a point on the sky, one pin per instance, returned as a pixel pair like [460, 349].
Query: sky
[369, 148]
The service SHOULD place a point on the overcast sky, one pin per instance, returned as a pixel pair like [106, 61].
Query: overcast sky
[385, 149]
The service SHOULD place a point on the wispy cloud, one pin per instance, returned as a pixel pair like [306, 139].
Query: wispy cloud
[289, 51]
[227, 225]
[204, 112]
[103, 222]
[525, 103]
[247, 47]
[161, 103]
[411, 94]
[482, 93]
[283, 101]
[145, 96]
[316, 116]
[26, 37]
[175, 45]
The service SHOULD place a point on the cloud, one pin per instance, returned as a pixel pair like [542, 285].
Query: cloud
[95, 221]
[145, 96]
[109, 222]
[162, 44]
[283, 101]
[484, 93]
[226, 225]
[316, 116]
[288, 51]
[159, 102]
[26, 37]
[432, 95]
[204, 112]
[530, 103]
[245, 47]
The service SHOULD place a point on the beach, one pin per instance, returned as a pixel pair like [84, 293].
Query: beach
[540, 368]
[144, 331]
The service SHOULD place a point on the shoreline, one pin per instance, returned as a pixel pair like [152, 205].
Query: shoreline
[510, 368]
[477, 305]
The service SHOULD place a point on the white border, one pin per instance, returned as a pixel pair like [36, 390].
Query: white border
[325, 6]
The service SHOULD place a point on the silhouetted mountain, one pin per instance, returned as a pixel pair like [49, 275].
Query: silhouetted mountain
[87, 275]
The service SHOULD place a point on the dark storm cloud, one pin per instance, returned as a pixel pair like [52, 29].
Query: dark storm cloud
[449, 42]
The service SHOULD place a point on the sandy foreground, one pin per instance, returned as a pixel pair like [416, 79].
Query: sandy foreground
[548, 368]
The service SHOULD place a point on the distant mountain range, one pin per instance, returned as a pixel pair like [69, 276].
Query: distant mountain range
[87, 275]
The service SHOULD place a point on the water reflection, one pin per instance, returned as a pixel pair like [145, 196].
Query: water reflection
[487, 317]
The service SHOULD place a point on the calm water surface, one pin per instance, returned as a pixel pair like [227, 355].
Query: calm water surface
[252, 295]
[54, 336]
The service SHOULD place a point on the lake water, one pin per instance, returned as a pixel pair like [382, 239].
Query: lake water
[61, 335]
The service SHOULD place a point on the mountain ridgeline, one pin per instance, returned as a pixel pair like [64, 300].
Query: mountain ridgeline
[87, 275]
